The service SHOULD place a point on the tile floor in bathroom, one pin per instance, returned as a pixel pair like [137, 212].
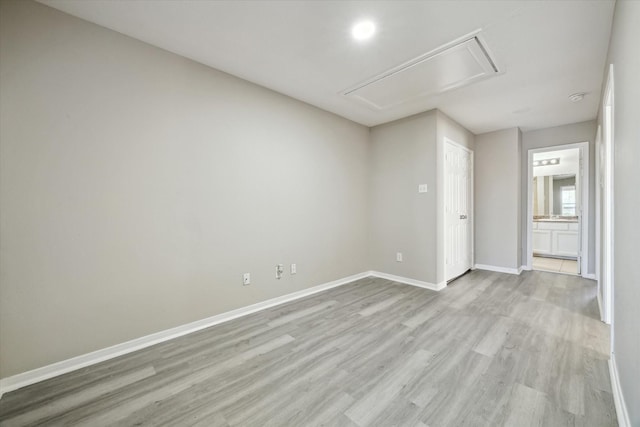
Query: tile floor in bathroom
[557, 265]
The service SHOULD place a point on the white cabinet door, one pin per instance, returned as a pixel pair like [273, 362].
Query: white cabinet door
[542, 242]
[555, 238]
[565, 243]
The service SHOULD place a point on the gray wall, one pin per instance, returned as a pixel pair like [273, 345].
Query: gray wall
[497, 199]
[403, 155]
[137, 186]
[623, 54]
[559, 135]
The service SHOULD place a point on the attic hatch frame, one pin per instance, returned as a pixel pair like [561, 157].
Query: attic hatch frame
[472, 41]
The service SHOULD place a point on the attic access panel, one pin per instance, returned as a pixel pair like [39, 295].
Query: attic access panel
[451, 66]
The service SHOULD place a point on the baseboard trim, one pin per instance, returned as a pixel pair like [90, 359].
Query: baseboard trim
[590, 276]
[408, 281]
[618, 397]
[40, 374]
[495, 268]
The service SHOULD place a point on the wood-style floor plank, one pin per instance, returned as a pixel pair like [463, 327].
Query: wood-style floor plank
[490, 350]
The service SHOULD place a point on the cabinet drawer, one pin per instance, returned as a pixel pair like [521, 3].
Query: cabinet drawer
[553, 225]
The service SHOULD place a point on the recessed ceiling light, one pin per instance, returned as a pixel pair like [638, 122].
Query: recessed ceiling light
[363, 30]
[577, 97]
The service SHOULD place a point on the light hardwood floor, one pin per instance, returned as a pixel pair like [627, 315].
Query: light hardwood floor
[492, 349]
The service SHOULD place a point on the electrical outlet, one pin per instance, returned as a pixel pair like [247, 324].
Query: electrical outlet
[246, 279]
[293, 269]
[279, 271]
[399, 256]
[422, 188]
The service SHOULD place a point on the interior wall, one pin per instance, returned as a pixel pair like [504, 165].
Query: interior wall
[138, 186]
[550, 137]
[497, 200]
[403, 156]
[623, 54]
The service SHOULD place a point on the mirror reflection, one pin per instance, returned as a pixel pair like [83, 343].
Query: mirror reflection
[554, 196]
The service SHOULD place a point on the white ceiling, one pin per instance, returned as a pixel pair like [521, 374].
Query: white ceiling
[546, 49]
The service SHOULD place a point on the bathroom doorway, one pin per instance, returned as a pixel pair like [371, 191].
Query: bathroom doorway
[558, 196]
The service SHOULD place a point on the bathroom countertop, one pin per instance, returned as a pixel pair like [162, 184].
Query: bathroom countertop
[554, 220]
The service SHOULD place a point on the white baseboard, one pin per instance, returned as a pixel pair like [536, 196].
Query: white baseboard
[590, 276]
[525, 268]
[498, 269]
[40, 374]
[618, 398]
[407, 281]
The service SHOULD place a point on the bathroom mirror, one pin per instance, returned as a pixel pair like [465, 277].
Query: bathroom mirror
[554, 196]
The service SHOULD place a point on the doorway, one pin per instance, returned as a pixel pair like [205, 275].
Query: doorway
[458, 209]
[558, 192]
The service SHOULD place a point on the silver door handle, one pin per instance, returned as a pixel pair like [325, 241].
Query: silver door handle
[463, 217]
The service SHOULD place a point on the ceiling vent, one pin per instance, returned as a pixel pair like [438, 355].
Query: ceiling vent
[459, 63]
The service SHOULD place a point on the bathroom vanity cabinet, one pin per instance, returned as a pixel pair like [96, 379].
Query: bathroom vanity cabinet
[556, 238]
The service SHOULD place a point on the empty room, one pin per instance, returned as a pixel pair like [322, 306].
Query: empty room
[319, 213]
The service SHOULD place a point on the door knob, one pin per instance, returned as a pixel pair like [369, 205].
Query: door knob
[463, 217]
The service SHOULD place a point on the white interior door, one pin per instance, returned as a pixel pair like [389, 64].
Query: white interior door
[457, 210]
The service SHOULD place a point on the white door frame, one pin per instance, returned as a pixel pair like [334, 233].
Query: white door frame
[584, 202]
[598, 211]
[471, 207]
[607, 225]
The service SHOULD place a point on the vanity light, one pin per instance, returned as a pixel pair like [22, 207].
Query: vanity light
[363, 30]
[547, 162]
